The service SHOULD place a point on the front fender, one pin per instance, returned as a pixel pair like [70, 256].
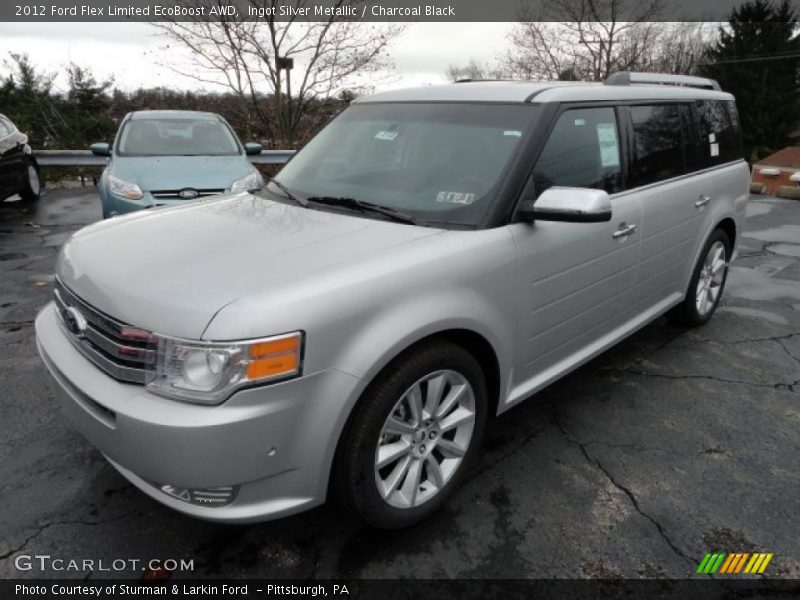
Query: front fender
[391, 331]
[359, 317]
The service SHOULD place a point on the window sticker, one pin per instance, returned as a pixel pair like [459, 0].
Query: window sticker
[512, 133]
[714, 149]
[386, 136]
[609, 147]
[455, 197]
[712, 137]
[580, 122]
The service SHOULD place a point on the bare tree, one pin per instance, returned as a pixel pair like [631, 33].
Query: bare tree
[250, 59]
[582, 39]
[472, 70]
[681, 48]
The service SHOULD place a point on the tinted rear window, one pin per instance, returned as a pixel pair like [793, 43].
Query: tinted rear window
[658, 146]
[720, 136]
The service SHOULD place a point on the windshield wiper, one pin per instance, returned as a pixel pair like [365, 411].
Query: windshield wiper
[364, 207]
[288, 193]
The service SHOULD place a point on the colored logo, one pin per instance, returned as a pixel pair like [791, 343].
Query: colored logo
[734, 563]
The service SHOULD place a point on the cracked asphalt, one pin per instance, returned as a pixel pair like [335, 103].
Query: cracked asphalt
[673, 444]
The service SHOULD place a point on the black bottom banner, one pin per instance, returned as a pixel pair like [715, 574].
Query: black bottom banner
[387, 589]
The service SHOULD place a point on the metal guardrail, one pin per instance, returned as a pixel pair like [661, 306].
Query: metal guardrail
[85, 158]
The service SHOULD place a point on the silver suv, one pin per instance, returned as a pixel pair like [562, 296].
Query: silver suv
[433, 257]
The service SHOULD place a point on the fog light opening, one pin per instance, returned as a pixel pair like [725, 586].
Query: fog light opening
[214, 497]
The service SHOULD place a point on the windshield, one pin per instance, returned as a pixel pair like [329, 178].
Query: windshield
[436, 162]
[176, 137]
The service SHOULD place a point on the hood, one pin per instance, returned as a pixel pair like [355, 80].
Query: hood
[171, 270]
[178, 172]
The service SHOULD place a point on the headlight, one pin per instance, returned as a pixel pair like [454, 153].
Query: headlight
[125, 189]
[250, 182]
[209, 372]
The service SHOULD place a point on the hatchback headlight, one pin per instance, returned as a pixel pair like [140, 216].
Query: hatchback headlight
[125, 189]
[209, 372]
[250, 182]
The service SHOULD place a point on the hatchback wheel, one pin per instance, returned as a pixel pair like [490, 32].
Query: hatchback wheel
[414, 433]
[707, 283]
[32, 187]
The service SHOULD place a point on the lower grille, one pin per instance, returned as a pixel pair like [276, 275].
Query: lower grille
[121, 351]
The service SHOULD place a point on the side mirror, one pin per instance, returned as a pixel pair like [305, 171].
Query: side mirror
[100, 149]
[571, 205]
[252, 148]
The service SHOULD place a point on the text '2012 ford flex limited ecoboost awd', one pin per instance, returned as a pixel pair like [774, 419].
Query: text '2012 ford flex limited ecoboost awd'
[432, 257]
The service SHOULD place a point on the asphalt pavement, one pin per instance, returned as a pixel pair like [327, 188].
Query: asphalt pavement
[673, 444]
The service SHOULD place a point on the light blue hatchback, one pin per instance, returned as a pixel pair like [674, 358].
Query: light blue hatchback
[162, 157]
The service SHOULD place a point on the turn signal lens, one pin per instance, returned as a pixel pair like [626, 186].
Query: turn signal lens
[209, 372]
[279, 357]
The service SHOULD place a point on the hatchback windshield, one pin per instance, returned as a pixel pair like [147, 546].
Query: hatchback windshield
[434, 161]
[176, 137]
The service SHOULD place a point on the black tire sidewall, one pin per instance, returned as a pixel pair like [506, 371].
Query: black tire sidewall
[358, 455]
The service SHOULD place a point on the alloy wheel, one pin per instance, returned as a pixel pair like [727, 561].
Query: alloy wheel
[424, 439]
[712, 275]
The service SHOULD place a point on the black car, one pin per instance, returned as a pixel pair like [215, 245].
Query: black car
[19, 173]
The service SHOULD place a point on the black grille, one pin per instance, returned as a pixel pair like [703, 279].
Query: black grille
[175, 194]
[122, 351]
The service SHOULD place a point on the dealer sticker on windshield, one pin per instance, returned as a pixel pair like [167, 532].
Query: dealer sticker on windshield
[455, 197]
[386, 136]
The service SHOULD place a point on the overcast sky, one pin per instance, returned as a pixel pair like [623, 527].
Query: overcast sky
[131, 51]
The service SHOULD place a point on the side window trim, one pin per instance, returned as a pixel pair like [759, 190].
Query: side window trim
[625, 131]
[689, 137]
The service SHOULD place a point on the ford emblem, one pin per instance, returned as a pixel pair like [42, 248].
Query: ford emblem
[188, 194]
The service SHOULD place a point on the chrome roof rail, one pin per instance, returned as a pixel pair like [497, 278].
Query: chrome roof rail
[631, 78]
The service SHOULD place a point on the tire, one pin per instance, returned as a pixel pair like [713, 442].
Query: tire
[425, 368]
[692, 312]
[31, 187]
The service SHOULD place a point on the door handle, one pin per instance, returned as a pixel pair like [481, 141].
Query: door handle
[623, 231]
[702, 201]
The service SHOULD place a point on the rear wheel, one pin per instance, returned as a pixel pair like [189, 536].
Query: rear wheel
[707, 283]
[32, 186]
[414, 433]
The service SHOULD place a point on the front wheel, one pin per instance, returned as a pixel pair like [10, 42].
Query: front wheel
[707, 283]
[32, 186]
[413, 435]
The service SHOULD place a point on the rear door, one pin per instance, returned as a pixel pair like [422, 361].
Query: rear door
[673, 202]
[576, 281]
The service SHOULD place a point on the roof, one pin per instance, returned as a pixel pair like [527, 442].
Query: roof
[788, 158]
[542, 91]
[174, 114]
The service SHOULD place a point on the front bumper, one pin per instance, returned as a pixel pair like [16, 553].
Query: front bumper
[114, 205]
[275, 442]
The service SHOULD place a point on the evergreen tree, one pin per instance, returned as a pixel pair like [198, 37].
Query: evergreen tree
[757, 58]
[25, 97]
[84, 110]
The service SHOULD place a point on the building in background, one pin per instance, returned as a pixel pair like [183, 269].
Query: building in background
[778, 174]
